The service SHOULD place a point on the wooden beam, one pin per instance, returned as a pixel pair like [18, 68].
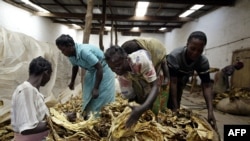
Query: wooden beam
[117, 17]
[205, 2]
[127, 28]
[121, 26]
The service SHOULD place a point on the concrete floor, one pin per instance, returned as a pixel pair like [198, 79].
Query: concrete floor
[196, 103]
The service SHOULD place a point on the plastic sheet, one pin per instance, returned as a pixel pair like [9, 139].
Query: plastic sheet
[16, 52]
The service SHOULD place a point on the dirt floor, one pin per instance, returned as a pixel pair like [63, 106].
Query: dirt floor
[196, 103]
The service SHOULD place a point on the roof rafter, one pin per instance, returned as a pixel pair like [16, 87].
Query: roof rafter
[116, 17]
[205, 2]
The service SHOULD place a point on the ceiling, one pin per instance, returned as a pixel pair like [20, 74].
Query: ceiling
[120, 13]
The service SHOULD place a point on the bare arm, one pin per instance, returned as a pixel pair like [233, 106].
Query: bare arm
[151, 97]
[42, 126]
[207, 92]
[73, 77]
[98, 79]
[137, 111]
[164, 68]
[173, 102]
[173, 92]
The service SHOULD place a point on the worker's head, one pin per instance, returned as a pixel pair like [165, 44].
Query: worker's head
[116, 58]
[40, 66]
[66, 44]
[228, 70]
[195, 45]
[130, 46]
[238, 65]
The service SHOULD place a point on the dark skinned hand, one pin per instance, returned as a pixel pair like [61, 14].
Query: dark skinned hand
[71, 86]
[134, 116]
[95, 93]
[42, 126]
[71, 116]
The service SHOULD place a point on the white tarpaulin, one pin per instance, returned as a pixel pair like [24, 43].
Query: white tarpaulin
[16, 52]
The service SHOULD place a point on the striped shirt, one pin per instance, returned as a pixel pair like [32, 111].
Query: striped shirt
[28, 107]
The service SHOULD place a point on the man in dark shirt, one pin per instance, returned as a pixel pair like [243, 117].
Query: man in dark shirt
[182, 62]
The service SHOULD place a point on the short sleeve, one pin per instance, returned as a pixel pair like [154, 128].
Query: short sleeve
[202, 66]
[89, 57]
[203, 70]
[172, 62]
[147, 68]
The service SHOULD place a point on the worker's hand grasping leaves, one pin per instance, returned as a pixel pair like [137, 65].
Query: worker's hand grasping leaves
[135, 114]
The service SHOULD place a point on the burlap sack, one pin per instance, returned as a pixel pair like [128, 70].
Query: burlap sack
[234, 105]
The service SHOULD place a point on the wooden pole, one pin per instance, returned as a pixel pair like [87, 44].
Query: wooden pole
[103, 24]
[88, 21]
[87, 29]
[116, 37]
[113, 29]
[111, 33]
